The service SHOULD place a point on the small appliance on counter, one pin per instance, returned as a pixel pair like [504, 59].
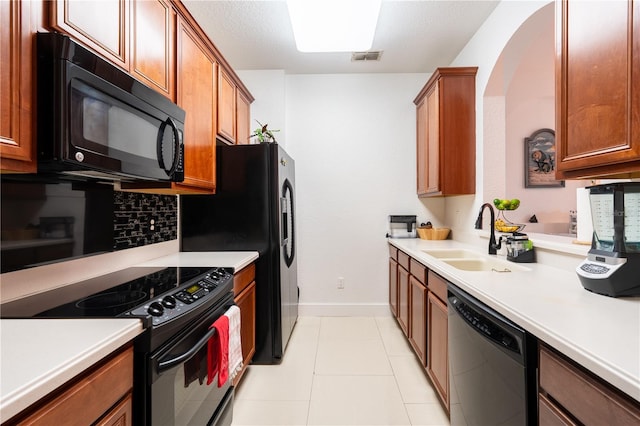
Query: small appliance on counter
[612, 266]
[520, 248]
[403, 226]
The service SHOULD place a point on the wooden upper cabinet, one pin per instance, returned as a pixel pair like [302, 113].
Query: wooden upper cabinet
[432, 149]
[226, 106]
[197, 82]
[136, 35]
[446, 128]
[243, 117]
[421, 148]
[101, 25]
[17, 110]
[153, 35]
[597, 89]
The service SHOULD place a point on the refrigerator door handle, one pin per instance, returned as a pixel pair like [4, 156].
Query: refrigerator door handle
[284, 238]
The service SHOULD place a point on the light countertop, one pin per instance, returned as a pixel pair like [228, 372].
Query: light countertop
[39, 355]
[601, 333]
[226, 259]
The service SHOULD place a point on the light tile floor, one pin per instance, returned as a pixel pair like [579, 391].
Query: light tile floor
[340, 371]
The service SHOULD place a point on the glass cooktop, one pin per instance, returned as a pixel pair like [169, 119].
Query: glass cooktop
[105, 296]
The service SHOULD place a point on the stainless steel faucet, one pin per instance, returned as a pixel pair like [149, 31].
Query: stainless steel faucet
[493, 247]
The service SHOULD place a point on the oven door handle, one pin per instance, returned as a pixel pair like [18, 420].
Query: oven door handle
[169, 363]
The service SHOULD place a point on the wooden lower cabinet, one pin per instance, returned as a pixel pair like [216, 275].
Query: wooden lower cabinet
[120, 415]
[438, 347]
[403, 299]
[100, 396]
[418, 318]
[244, 290]
[570, 394]
[418, 300]
[393, 280]
[438, 336]
[393, 286]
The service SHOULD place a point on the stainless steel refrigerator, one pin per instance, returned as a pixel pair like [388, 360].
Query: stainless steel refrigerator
[253, 209]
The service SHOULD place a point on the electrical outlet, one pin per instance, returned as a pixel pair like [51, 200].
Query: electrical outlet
[340, 283]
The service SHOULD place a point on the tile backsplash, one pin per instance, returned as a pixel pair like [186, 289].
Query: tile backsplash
[44, 221]
[141, 219]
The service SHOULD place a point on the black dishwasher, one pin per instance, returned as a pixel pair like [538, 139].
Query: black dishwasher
[492, 366]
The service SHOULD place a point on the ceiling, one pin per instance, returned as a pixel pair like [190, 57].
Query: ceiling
[414, 36]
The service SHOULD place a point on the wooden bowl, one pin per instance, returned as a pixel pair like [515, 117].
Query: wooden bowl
[433, 233]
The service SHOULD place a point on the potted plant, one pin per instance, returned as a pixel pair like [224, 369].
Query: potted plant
[263, 134]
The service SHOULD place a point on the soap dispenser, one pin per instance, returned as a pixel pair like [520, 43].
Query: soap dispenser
[520, 248]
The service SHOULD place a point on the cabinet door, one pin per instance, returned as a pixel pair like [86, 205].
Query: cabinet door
[243, 117]
[421, 146]
[101, 25]
[403, 299]
[438, 358]
[17, 149]
[246, 301]
[418, 313]
[197, 96]
[446, 133]
[226, 106]
[393, 286]
[598, 88]
[433, 141]
[153, 32]
[120, 415]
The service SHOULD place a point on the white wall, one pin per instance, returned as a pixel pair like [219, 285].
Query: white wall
[268, 89]
[353, 139]
[484, 50]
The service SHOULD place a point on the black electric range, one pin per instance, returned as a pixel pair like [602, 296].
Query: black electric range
[164, 298]
[177, 306]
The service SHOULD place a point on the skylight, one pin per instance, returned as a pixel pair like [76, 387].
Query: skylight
[333, 25]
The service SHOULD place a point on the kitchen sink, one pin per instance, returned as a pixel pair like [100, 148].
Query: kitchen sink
[485, 264]
[452, 254]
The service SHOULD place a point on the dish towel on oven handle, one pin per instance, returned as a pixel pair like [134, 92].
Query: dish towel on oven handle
[235, 341]
[218, 352]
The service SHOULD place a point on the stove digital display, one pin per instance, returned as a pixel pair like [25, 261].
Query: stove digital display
[193, 289]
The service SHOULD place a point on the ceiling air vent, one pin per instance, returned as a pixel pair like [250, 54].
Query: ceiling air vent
[366, 56]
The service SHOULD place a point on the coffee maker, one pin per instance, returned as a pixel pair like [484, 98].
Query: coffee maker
[612, 267]
[402, 226]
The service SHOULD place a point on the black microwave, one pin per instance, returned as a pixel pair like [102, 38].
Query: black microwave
[96, 121]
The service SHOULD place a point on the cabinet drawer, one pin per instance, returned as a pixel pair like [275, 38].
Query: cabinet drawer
[393, 252]
[403, 260]
[437, 285]
[243, 278]
[550, 415]
[418, 270]
[586, 397]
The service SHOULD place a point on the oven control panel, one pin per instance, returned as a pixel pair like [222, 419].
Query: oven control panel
[186, 297]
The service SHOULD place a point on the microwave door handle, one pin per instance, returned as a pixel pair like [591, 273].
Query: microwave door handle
[176, 141]
[169, 363]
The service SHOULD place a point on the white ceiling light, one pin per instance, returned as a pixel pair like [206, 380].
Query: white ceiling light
[333, 25]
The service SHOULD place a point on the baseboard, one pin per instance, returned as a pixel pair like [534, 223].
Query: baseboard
[344, 310]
